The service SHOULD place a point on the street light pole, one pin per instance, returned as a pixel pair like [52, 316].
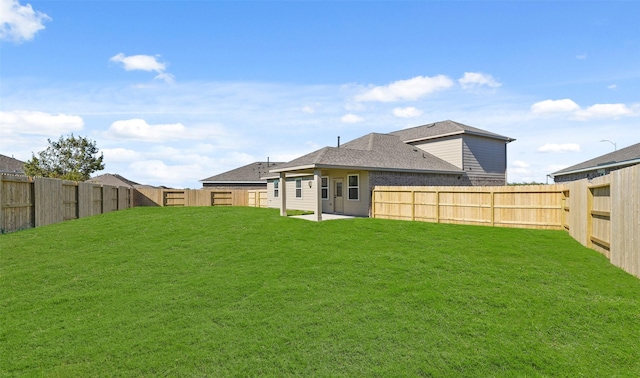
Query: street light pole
[615, 147]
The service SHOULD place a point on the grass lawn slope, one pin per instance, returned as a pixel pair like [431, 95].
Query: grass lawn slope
[244, 292]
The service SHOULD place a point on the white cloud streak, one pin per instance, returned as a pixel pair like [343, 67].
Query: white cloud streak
[411, 89]
[554, 106]
[565, 147]
[476, 80]
[20, 23]
[604, 111]
[147, 63]
[351, 118]
[139, 129]
[408, 112]
[38, 123]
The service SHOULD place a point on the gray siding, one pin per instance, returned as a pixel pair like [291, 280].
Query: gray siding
[447, 149]
[484, 160]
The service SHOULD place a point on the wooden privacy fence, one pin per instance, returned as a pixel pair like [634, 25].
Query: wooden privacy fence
[602, 214]
[538, 206]
[199, 197]
[27, 202]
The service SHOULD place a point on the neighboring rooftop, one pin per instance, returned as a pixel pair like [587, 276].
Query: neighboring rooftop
[372, 151]
[250, 173]
[443, 129]
[624, 156]
[113, 180]
[11, 165]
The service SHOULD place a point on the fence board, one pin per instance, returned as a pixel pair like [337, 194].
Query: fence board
[625, 219]
[16, 203]
[69, 200]
[48, 201]
[531, 207]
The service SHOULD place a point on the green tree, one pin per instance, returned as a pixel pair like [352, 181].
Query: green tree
[69, 158]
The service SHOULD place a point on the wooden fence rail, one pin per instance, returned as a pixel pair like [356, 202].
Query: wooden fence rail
[505, 206]
[602, 214]
[199, 197]
[27, 202]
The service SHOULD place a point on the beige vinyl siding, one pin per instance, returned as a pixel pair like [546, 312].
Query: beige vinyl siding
[448, 149]
[271, 200]
[484, 157]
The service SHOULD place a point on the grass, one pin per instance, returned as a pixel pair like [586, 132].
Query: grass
[244, 292]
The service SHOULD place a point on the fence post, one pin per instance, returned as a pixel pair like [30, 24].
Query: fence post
[493, 209]
[373, 203]
[437, 206]
[413, 205]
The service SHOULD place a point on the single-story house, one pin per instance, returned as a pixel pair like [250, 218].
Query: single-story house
[250, 176]
[600, 166]
[341, 179]
[11, 165]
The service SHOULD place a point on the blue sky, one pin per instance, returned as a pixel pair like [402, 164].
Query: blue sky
[176, 91]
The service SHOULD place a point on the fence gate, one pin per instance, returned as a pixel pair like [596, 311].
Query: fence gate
[221, 199]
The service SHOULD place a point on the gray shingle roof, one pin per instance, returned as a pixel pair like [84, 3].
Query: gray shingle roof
[372, 151]
[113, 180]
[253, 172]
[10, 165]
[443, 128]
[619, 157]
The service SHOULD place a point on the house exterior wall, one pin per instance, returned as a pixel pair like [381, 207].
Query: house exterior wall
[359, 207]
[448, 149]
[484, 160]
[306, 202]
[416, 179]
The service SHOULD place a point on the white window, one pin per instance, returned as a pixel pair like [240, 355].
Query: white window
[275, 188]
[298, 188]
[324, 188]
[353, 188]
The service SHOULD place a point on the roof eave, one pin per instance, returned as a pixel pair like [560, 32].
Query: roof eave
[596, 167]
[367, 168]
[233, 182]
[492, 136]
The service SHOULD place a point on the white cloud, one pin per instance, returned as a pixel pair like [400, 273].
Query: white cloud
[139, 129]
[520, 164]
[120, 155]
[604, 111]
[409, 112]
[411, 89]
[475, 80]
[351, 118]
[144, 63]
[554, 106]
[308, 109]
[565, 147]
[20, 23]
[38, 123]
[612, 87]
[581, 56]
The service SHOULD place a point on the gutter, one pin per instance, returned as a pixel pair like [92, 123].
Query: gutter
[596, 167]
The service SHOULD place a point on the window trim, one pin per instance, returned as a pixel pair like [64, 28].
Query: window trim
[276, 188]
[298, 189]
[357, 187]
[323, 188]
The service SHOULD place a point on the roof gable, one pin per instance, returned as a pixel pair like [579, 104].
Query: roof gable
[619, 157]
[442, 129]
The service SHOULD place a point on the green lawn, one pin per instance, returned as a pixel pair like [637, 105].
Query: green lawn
[243, 292]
